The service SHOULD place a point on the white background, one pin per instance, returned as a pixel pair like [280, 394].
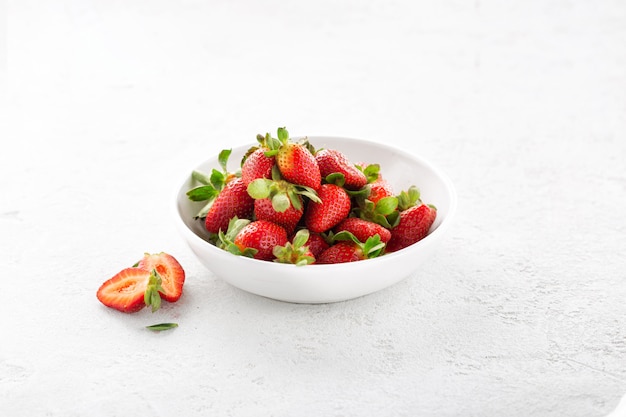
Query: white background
[110, 103]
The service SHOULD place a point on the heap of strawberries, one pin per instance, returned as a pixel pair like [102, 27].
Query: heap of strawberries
[290, 203]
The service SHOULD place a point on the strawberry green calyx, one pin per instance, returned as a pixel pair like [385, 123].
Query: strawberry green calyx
[371, 172]
[151, 296]
[409, 198]
[211, 185]
[371, 248]
[384, 212]
[275, 144]
[295, 252]
[336, 178]
[283, 194]
[226, 240]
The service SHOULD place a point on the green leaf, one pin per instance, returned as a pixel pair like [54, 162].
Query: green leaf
[202, 193]
[371, 172]
[409, 198]
[386, 205]
[283, 135]
[280, 203]
[373, 246]
[414, 193]
[295, 200]
[259, 188]
[162, 326]
[223, 158]
[204, 210]
[361, 193]
[345, 235]
[382, 220]
[218, 179]
[274, 144]
[393, 219]
[308, 192]
[200, 177]
[235, 225]
[276, 175]
[336, 178]
[301, 237]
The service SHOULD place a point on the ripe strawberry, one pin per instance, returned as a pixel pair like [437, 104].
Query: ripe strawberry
[414, 225]
[379, 189]
[295, 252]
[257, 165]
[351, 250]
[255, 239]
[332, 161]
[317, 244]
[288, 219]
[232, 201]
[262, 236]
[171, 273]
[363, 229]
[279, 201]
[130, 290]
[295, 161]
[334, 207]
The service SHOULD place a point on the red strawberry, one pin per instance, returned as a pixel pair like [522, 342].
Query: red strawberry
[257, 165]
[232, 201]
[334, 207]
[317, 244]
[262, 236]
[414, 225]
[294, 160]
[351, 250]
[363, 229]
[288, 219]
[125, 291]
[171, 273]
[130, 290]
[332, 161]
[379, 189]
[279, 201]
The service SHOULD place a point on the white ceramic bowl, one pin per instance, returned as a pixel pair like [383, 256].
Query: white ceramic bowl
[327, 283]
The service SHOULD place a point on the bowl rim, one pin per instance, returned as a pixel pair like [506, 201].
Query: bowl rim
[431, 237]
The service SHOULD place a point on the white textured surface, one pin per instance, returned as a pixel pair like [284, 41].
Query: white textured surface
[522, 103]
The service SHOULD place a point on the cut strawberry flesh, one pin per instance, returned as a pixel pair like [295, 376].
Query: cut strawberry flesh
[125, 291]
[171, 272]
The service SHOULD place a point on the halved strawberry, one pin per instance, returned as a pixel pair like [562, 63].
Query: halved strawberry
[171, 273]
[130, 290]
